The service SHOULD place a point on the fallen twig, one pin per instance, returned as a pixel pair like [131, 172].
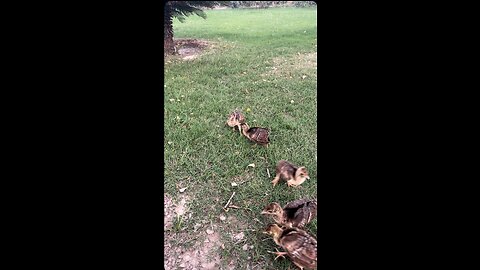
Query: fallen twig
[240, 241]
[244, 181]
[266, 164]
[246, 208]
[229, 200]
[256, 219]
[254, 267]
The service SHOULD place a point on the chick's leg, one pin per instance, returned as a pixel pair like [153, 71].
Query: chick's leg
[299, 266]
[275, 180]
[291, 183]
[279, 254]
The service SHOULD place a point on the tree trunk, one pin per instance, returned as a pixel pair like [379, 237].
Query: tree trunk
[168, 45]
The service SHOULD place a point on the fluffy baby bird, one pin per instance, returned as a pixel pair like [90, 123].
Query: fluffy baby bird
[256, 134]
[235, 119]
[294, 175]
[295, 214]
[300, 246]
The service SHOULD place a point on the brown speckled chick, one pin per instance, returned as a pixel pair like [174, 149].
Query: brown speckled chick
[287, 171]
[256, 134]
[300, 246]
[295, 214]
[235, 119]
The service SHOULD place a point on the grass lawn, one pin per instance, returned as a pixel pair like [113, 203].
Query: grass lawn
[264, 63]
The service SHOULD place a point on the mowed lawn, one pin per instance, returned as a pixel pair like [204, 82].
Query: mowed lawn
[262, 62]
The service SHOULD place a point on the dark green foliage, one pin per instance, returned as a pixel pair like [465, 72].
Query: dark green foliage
[183, 9]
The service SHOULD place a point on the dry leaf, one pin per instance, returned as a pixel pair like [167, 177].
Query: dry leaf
[248, 109]
[197, 226]
[234, 184]
[172, 100]
[239, 236]
[251, 165]
[245, 247]
[222, 218]
[209, 231]
[303, 77]
[291, 101]
[169, 142]
[182, 190]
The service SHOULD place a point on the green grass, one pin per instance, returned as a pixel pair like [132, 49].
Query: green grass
[203, 154]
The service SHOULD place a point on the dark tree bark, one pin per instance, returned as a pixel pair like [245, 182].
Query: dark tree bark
[168, 45]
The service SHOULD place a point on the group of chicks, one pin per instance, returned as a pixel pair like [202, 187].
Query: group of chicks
[288, 232]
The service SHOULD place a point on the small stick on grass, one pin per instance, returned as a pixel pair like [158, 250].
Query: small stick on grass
[229, 200]
[256, 219]
[244, 181]
[266, 164]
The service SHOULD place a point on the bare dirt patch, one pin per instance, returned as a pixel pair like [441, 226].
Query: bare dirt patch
[189, 249]
[174, 210]
[168, 213]
[189, 49]
[204, 254]
[203, 243]
[286, 66]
